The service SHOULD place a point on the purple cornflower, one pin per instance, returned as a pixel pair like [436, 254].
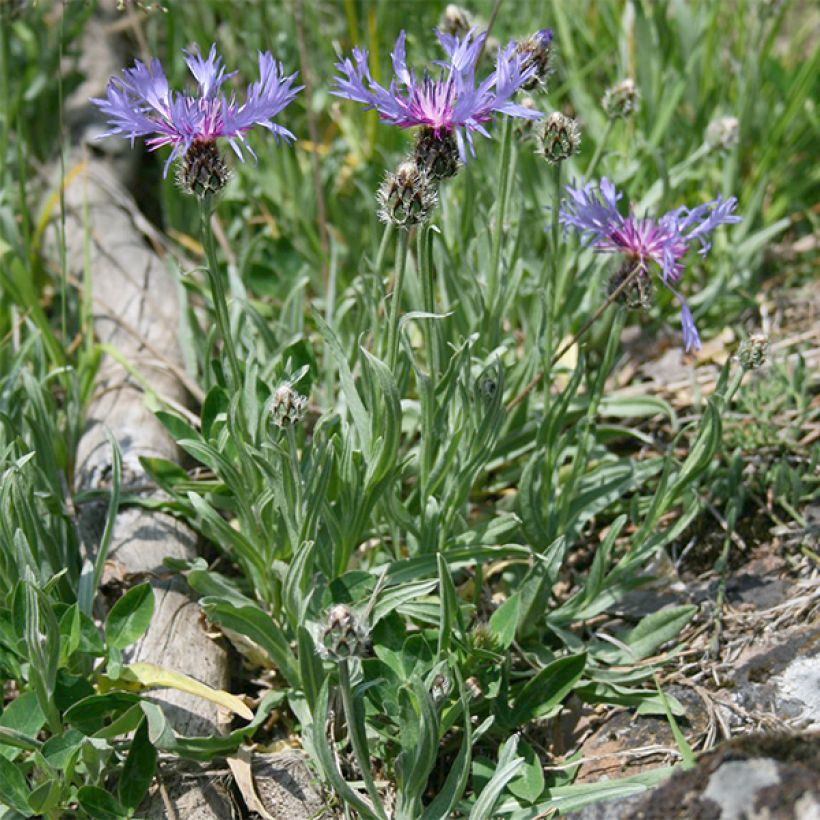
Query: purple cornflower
[593, 212]
[140, 103]
[450, 104]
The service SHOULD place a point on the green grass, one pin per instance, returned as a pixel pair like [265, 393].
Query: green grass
[413, 496]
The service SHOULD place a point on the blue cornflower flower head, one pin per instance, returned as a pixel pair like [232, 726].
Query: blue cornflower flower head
[592, 210]
[451, 104]
[140, 104]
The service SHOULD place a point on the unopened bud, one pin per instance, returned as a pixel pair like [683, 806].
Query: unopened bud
[722, 133]
[482, 637]
[407, 197]
[343, 635]
[560, 138]
[753, 351]
[456, 21]
[536, 53]
[621, 100]
[441, 688]
[288, 406]
[202, 172]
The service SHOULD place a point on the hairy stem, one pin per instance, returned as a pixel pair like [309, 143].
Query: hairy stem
[395, 302]
[357, 737]
[223, 322]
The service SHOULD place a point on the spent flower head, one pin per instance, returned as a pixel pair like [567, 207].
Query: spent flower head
[592, 210]
[449, 104]
[140, 104]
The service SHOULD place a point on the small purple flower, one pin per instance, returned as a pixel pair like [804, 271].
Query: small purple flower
[450, 104]
[593, 212]
[140, 103]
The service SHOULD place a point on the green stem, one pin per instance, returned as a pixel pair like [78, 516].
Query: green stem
[378, 265]
[494, 272]
[428, 295]
[395, 302]
[297, 475]
[223, 321]
[557, 272]
[599, 149]
[358, 739]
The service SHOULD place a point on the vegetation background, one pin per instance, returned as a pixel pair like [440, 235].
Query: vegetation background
[489, 559]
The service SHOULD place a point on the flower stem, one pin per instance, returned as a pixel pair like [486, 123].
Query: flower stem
[599, 149]
[428, 295]
[536, 380]
[358, 739]
[379, 263]
[223, 322]
[557, 275]
[493, 273]
[395, 302]
[296, 473]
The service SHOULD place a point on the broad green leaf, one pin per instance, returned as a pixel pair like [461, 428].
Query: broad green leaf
[139, 768]
[23, 716]
[130, 617]
[260, 628]
[544, 692]
[91, 713]
[508, 765]
[101, 805]
[529, 782]
[504, 621]
[14, 791]
[656, 629]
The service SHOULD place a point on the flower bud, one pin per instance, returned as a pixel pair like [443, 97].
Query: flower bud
[436, 156]
[621, 100]
[202, 172]
[638, 294]
[722, 133]
[559, 139]
[343, 635]
[753, 351]
[407, 197]
[536, 51]
[288, 406]
[456, 20]
[441, 688]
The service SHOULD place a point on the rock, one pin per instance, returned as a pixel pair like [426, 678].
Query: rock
[755, 777]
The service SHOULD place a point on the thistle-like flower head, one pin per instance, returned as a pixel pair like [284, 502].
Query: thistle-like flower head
[140, 104]
[449, 104]
[592, 210]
